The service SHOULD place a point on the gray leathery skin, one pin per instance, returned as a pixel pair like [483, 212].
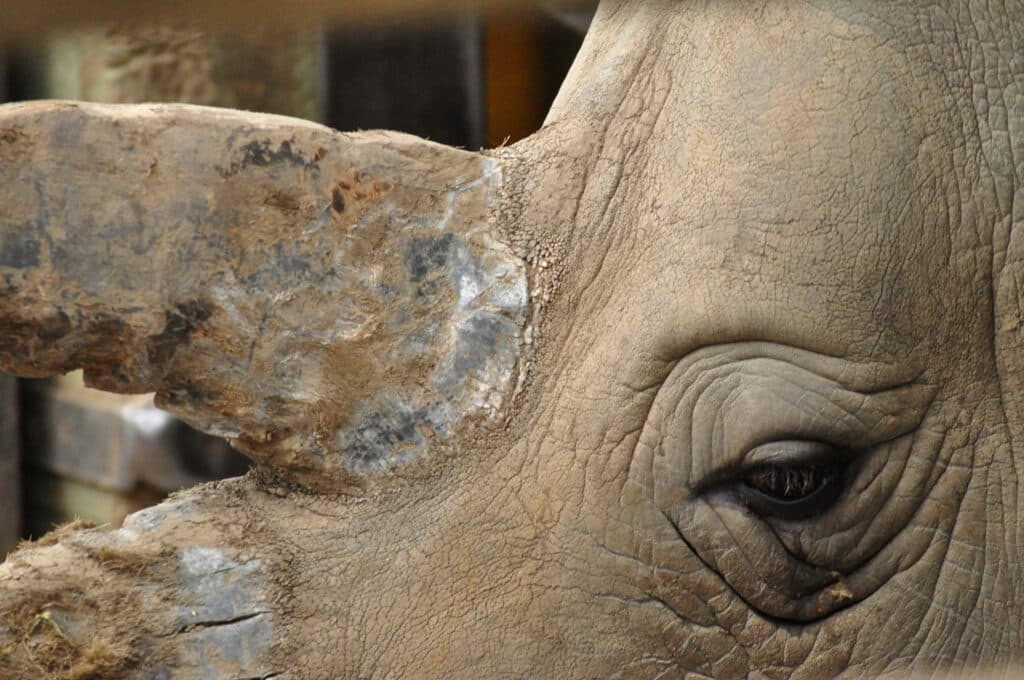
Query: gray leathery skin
[765, 239]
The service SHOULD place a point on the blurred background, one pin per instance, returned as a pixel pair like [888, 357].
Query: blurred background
[467, 78]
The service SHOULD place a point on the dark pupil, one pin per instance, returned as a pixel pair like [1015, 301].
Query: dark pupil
[790, 483]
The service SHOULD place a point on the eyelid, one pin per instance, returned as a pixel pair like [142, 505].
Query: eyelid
[700, 446]
[738, 407]
[790, 452]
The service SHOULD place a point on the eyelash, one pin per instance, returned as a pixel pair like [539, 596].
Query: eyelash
[793, 491]
[794, 480]
[790, 483]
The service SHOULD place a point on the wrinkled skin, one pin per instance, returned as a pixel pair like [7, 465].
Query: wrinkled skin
[759, 223]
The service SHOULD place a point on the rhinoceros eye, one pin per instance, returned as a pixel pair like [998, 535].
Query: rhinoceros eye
[793, 480]
[790, 483]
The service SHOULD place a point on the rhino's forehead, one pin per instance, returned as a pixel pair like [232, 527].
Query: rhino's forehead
[818, 188]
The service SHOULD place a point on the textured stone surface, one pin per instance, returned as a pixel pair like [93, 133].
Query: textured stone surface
[327, 302]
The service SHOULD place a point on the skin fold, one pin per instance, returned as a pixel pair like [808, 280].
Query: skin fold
[745, 225]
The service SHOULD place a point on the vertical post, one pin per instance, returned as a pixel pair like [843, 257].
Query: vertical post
[10, 439]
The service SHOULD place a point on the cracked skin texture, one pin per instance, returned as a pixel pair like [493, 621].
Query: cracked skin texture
[750, 222]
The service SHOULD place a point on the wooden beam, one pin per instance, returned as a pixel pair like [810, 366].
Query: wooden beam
[10, 444]
[25, 21]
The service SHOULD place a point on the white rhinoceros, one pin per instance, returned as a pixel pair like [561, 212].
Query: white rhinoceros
[719, 373]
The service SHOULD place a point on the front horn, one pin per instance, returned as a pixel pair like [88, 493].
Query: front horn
[330, 303]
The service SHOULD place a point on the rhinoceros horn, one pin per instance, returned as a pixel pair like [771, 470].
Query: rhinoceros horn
[330, 303]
